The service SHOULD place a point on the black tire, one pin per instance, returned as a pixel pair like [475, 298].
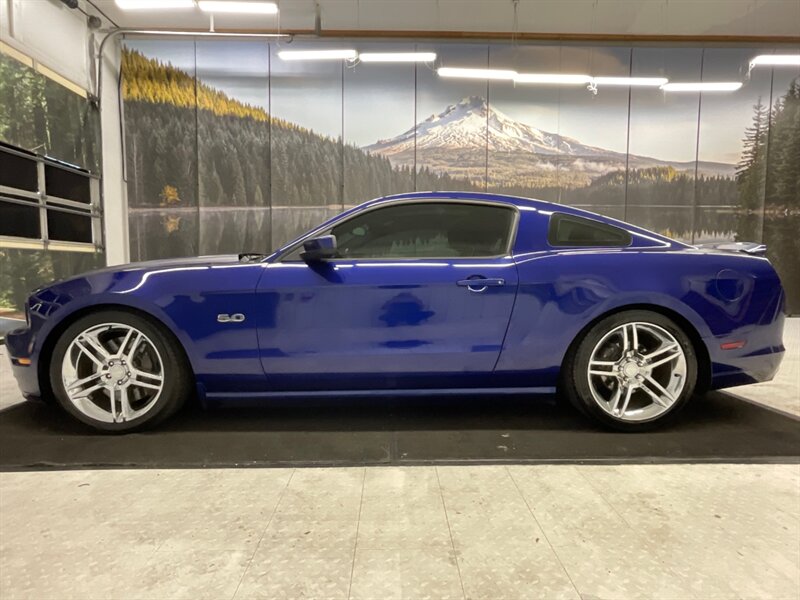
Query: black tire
[575, 384]
[178, 381]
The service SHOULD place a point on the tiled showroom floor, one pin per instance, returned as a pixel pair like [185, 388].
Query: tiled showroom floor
[522, 531]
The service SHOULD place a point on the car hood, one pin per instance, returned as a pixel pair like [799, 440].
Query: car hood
[164, 263]
[151, 265]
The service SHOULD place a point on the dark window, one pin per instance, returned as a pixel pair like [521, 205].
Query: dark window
[21, 216]
[66, 184]
[570, 230]
[18, 172]
[19, 220]
[427, 230]
[69, 227]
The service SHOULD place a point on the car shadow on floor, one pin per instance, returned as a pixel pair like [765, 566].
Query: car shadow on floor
[715, 427]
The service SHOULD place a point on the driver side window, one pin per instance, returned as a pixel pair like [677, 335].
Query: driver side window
[426, 230]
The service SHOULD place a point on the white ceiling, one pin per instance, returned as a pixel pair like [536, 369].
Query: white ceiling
[631, 17]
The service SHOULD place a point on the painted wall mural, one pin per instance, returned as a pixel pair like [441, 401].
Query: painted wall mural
[229, 148]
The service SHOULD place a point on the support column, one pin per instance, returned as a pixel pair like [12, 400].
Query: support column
[115, 199]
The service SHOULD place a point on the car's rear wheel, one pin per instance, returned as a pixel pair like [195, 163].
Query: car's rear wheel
[118, 371]
[632, 371]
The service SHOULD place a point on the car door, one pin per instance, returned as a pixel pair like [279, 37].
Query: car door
[420, 297]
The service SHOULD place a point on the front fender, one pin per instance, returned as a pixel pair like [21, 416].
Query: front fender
[186, 301]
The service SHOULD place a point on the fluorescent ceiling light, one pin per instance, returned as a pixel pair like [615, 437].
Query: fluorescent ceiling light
[397, 56]
[225, 6]
[475, 73]
[557, 78]
[344, 54]
[776, 60]
[703, 86]
[154, 4]
[631, 81]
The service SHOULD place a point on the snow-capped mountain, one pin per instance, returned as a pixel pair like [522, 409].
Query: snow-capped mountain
[455, 141]
[464, 125]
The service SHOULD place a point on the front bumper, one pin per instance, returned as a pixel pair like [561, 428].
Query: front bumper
[19, 344]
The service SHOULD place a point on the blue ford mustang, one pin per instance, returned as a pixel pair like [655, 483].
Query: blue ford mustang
[447, 293]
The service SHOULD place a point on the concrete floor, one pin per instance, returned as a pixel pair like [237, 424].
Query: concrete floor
[628, 531]
[635, 531]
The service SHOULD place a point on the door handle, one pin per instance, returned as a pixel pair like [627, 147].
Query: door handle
[479, 284]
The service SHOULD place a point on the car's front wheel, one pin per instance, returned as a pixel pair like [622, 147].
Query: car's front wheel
[632, 371]
[118, 371]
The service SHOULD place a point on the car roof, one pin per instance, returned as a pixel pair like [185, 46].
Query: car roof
[518, 201]
[454, 195]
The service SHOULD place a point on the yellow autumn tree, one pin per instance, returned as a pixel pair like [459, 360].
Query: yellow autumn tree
[169, 196]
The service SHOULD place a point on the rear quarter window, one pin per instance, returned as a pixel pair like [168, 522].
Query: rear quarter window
[573, 231]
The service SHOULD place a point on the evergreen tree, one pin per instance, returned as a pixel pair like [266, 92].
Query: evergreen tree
[751, 169]
[237, 194]
[782, 201]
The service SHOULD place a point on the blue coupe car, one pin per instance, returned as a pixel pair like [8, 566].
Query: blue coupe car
[415, 294]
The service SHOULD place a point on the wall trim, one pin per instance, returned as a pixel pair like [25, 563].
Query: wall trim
[508, 36]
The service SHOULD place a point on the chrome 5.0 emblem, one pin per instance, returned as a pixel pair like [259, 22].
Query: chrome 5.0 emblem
[234, 318]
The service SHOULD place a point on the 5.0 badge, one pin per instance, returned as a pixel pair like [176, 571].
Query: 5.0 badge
[234, 318]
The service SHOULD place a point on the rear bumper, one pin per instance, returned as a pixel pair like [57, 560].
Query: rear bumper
[746, 370]
[756, 362]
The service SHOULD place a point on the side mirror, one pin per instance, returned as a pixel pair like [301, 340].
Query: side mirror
[319, 249]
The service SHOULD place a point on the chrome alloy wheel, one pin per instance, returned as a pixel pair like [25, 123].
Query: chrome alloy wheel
[637, 371]
[112, 373]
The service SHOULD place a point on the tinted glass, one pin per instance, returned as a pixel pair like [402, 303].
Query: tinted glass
[569, 230]
[18, 172]
[66, 184]
[69, 227]
[426, 230]
[19, 220]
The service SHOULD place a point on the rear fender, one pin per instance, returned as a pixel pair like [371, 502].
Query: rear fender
[560, 293]
[540, 333]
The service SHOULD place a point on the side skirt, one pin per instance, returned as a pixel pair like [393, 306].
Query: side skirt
[218, 398]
